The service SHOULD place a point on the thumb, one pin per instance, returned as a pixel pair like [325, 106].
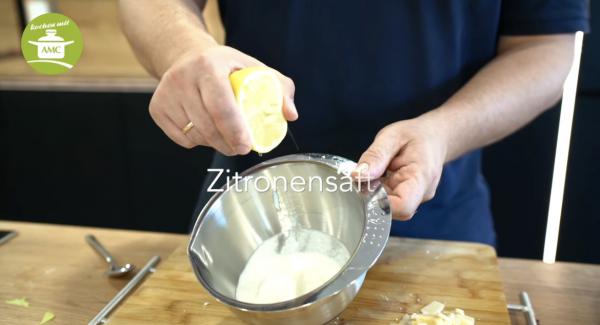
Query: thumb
[289, 108]
[374, 162]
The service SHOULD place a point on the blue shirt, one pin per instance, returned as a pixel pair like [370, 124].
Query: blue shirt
[360, 65]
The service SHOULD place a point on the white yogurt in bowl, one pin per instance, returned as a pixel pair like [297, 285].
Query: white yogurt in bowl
[306, 260]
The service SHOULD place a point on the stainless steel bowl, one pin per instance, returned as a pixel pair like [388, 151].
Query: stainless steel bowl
[235, 222]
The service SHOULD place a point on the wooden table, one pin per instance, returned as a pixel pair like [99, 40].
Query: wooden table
[561, 293]
[55, 269]
[107, 62]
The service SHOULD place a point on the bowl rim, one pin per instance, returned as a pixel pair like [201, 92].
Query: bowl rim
[376, 230]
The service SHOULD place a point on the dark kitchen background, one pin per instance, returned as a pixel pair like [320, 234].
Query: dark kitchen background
[97, 159]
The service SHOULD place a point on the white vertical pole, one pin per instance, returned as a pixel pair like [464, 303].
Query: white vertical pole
[562, 154]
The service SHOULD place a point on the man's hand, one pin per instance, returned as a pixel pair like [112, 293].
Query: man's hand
[522, 81]
[410, 156]
[197, 89]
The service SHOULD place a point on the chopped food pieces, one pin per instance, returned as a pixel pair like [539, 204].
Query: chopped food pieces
[22, 302]
[434, 314]
[433, 308]
[48, 316]
[18, 302]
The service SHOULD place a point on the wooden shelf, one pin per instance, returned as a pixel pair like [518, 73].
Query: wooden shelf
[107, 62]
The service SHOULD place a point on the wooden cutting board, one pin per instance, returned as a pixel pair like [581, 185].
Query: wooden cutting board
[410, 274]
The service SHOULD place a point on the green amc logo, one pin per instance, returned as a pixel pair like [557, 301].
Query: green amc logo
[52, 44]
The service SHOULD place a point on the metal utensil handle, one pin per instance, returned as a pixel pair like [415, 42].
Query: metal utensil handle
[100, 318]
[8, 237]
[526, 307]
[530, 312]
[91, 239]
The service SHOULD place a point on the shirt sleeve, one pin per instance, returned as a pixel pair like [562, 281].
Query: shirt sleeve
[531, 17]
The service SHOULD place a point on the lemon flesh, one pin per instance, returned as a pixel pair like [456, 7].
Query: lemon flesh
[260, 97]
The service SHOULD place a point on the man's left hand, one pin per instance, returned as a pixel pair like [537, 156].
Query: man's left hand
[409, 156]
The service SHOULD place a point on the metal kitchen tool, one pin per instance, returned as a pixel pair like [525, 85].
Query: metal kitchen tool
[101, 317]
[235, 222]
[114, 269]
[525, 307]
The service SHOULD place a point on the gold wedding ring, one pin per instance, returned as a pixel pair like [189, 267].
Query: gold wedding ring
[187, 128]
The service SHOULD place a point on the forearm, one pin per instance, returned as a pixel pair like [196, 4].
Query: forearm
[524, 79]
[162, 31]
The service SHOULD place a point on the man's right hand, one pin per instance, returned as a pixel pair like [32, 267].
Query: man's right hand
[197, 89]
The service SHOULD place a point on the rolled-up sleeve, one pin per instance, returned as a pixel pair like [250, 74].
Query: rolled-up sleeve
[531, 17]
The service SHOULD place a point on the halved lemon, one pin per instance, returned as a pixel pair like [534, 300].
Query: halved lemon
[260, 97]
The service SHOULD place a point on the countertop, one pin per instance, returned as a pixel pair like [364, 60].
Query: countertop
[53, 267]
